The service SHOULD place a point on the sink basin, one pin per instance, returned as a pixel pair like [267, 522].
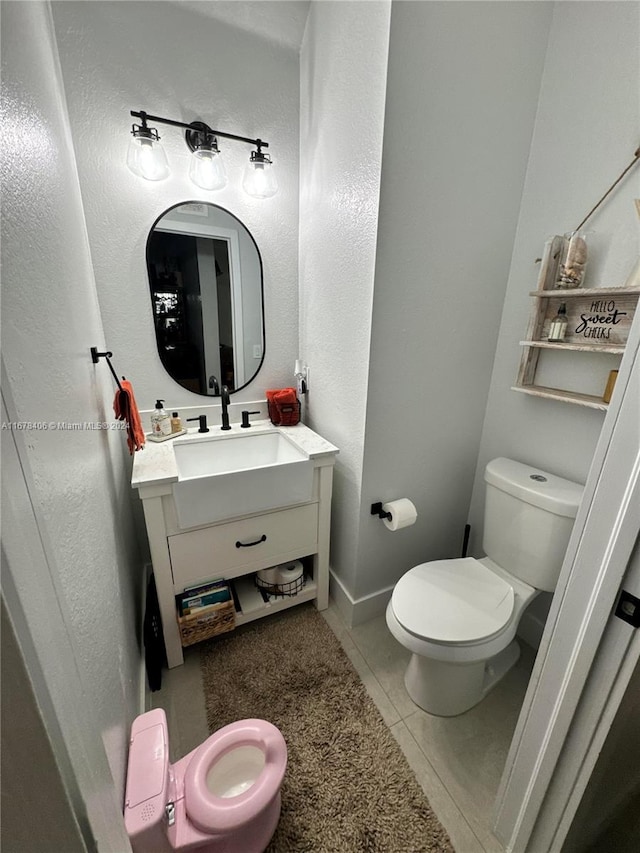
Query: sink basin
[223, 477]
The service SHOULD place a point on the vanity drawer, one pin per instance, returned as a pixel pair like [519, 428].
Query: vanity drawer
[233, 549]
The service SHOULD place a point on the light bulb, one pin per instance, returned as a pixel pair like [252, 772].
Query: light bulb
[207, 169]
[259, 177]
[146, 157]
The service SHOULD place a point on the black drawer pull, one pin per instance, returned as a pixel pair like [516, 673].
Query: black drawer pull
[263, 538]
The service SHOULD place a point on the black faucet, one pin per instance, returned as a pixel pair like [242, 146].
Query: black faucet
[213, 385]
[203, 422]
[224, 400]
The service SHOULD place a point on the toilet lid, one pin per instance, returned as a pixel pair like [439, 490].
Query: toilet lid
[452, 601]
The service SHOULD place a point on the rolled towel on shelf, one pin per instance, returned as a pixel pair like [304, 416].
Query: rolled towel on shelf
[284, 406]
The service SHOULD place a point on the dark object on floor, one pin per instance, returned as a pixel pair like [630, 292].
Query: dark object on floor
[155, 656]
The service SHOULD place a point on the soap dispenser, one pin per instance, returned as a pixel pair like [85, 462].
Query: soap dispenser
[160, 420]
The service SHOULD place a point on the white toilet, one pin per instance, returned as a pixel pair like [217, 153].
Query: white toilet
[459, 617]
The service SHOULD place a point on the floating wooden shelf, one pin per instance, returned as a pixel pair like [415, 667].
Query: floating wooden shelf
[587, 400]
[613, 349]
[599, 319]
[586, 292]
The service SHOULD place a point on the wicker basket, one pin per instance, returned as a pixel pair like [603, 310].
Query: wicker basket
[212, 621]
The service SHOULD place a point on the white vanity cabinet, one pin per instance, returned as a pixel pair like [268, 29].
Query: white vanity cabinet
[237, 547]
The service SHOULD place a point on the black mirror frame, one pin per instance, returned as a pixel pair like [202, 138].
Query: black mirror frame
[264, 334]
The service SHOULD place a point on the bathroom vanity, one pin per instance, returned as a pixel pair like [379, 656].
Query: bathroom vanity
[191, 544]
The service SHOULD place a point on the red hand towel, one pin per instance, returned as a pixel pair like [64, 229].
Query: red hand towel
[126, 409]
[286, 397]
[283, 396]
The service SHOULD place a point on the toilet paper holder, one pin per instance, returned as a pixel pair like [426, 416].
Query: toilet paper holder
[376, 509]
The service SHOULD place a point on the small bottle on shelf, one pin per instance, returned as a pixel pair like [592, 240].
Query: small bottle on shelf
[176, 422]
[558, 327]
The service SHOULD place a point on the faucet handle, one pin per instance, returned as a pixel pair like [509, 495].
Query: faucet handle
[245, 418]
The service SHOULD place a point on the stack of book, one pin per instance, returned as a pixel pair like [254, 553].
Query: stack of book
[196, 601]
[205, 611]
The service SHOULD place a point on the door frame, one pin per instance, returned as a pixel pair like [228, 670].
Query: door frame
[230, 237]
[33, 595]
[587, 654]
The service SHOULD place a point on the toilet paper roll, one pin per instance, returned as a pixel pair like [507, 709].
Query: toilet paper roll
[403, 514]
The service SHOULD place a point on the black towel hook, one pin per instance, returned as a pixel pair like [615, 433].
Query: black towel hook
[96, 356]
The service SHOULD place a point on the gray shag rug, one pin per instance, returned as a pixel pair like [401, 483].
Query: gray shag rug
[348, 787]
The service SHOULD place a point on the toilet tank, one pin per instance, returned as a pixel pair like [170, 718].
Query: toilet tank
[147, 788]
[528, 519]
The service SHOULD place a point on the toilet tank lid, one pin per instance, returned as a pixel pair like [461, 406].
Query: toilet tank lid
[534, 486]
[148, 758]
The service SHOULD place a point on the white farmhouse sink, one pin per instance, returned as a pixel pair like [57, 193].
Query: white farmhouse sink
[223, 477]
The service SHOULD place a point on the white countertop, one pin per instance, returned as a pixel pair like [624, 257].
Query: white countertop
[156, 463]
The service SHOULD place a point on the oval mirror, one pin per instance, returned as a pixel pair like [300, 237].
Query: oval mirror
[205, 276]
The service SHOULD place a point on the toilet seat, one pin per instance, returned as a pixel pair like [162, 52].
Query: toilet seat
[213, 814]
[453, 602]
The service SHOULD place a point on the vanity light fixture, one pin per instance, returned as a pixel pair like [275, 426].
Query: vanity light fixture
[259, 178]
[147, 159]
[206, 169]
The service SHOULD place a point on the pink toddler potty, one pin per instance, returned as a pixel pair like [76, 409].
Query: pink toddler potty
[223, 797]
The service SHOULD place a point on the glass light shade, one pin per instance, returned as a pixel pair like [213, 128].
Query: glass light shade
[259, 179]
[146, 158]
[207, 169]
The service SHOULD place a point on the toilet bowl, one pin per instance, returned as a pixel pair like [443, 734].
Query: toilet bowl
[223, 797]
[459, 617]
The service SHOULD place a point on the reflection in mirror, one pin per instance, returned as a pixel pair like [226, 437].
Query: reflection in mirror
[205, 275]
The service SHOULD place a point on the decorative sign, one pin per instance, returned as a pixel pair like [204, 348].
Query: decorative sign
[594, 320]
[599, 321]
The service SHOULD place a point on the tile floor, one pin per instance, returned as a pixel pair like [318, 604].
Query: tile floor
[458, 761]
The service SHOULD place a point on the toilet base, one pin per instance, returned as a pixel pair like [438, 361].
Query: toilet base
[253, 838]
[448, 689]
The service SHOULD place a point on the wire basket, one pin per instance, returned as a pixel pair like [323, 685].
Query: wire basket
[283, 414]
[281, 590]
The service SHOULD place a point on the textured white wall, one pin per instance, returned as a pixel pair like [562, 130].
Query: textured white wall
[586, 132]
[343, 65]
[461, 103]
[50, 319]
[173, 61]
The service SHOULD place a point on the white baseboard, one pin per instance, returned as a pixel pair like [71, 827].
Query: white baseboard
[356, 611]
